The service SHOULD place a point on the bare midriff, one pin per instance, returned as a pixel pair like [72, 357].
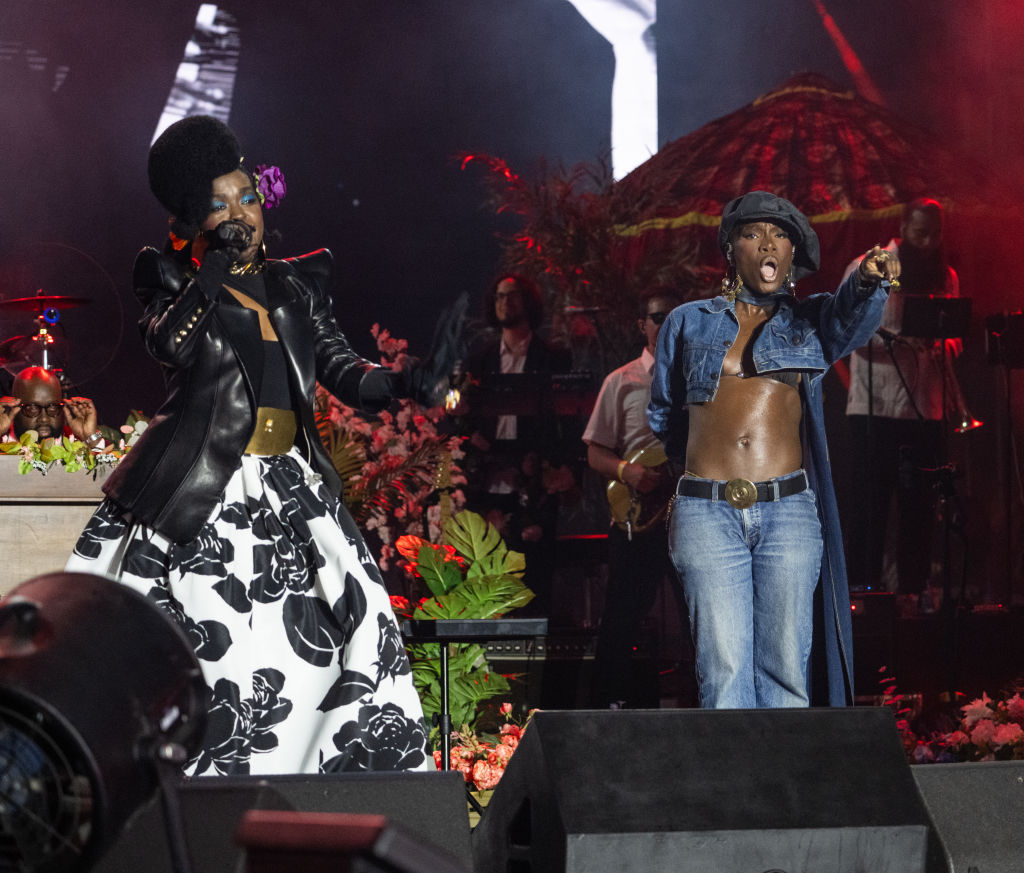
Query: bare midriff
[751, 430]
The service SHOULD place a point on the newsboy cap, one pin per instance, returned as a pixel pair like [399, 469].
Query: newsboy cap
[765, 206]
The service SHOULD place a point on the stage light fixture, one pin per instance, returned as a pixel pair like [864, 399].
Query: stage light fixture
[101, 702]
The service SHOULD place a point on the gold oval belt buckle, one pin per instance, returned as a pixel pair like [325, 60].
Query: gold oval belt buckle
[741, 493]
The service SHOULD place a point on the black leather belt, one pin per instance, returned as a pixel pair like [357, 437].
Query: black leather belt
[742, 493]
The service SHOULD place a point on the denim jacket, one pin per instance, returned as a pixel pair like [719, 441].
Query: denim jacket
[808, 335]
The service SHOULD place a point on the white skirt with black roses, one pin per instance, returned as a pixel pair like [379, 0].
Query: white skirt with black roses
[287, 612]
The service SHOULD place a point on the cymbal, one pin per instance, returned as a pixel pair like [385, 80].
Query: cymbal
[43, 301]
[16, 349]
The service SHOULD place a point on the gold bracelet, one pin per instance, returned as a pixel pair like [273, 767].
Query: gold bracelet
[618, 472]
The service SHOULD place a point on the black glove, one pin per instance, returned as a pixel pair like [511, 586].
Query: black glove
[224, 247]
[379, 385]
[426, 382]
[231, 237]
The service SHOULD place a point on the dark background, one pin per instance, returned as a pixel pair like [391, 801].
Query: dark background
[365, 106]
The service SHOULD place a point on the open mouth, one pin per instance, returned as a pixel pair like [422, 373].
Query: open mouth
[769, 269]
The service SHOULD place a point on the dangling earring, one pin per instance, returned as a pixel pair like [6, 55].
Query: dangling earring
[790, 283]
[730, 285]
[731, 282]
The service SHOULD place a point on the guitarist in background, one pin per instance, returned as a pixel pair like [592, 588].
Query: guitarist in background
[638, 559]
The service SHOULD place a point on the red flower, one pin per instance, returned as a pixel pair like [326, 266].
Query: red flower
[401, 605]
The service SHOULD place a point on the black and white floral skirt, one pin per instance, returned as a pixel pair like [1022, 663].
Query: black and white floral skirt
[289, 617]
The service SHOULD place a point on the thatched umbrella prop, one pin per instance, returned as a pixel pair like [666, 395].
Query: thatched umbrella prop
[849, 164]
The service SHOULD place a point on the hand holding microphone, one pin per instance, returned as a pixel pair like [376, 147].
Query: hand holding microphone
[220, 248]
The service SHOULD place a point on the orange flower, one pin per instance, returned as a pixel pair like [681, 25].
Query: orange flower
[409, 547]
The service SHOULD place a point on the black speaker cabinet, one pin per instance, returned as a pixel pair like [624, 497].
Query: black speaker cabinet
[978, 810]
[694, 791]
[430, 806]
[335, 842]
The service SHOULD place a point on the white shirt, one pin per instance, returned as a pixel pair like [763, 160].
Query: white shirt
[619, 418]
[922, 368]
[512, 361]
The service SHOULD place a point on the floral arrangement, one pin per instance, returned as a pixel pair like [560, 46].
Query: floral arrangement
[71, 454]
[392, 463]
[482, 759]
[986, 730]
[270, 185]
[470, 574]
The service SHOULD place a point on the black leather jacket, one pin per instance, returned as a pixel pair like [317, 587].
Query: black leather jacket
[212, 359]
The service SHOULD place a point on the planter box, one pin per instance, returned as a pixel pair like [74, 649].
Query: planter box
[41, 518]
[57, 485]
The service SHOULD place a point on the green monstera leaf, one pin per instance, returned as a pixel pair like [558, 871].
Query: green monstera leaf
[480, 543]
[482, 580]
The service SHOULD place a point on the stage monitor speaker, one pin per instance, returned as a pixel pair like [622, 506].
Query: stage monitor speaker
[335, 842]
[978, 810]
[431, 806]
[692, 791]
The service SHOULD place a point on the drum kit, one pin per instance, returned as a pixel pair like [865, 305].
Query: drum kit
[44, 347]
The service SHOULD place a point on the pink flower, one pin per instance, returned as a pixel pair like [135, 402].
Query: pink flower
[958, 739]
[983, 731]
[485, 775]
[1005, 734]
[1015, 708]
[506, 708]
[503, 752]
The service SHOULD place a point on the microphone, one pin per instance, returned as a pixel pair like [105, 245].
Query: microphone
[888, 337]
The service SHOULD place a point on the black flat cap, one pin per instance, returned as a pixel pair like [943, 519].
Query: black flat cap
[765, 206]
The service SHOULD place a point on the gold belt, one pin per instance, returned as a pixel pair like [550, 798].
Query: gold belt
[274, 433]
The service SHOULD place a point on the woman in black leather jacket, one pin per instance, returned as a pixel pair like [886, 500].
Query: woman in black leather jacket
[227, 512]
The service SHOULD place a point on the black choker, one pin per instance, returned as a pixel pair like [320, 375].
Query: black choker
[759, 299]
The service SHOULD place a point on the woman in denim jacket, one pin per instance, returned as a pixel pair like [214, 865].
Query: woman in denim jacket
[754, 526]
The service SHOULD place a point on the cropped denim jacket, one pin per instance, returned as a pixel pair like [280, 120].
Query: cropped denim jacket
[807, 335]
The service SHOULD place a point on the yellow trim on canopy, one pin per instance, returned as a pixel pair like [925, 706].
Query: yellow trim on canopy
[704, 220]
[803, 89]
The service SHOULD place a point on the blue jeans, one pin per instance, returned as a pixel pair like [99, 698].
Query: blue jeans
[749, 577]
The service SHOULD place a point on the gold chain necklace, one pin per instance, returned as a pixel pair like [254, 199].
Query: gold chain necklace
[250, 269]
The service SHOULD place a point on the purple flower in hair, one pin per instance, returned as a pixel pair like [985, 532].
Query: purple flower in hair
[270, 185]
